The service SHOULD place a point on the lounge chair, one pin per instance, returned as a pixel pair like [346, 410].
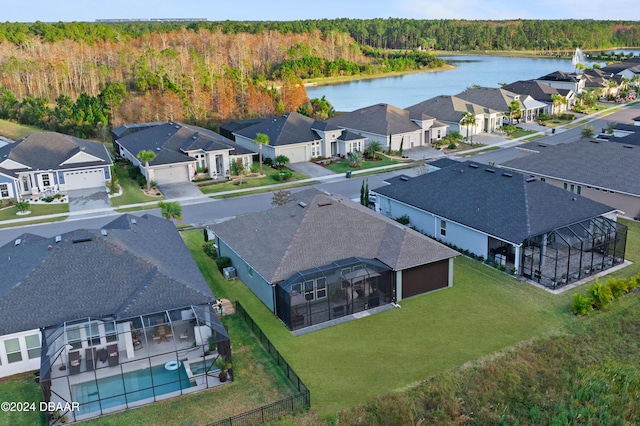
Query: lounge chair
[74, 362]
[113, 355]
[89, 354]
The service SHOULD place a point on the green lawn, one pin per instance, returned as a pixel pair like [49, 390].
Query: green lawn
[520, 133]
[16, 131]
[131, 193]
[249, 182]
[36, 210]
[263, 190]
[343, 166]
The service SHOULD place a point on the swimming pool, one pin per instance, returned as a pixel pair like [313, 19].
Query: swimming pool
[110, 392]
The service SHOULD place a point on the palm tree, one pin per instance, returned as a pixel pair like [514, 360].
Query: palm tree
[514, 110]
[170, 210]
[146, 157]
[468, 119]
[261, 139]
[22, 206]
[587, 132]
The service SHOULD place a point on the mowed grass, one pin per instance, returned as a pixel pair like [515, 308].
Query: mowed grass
[343, 166]
[21, 388]
[250, 182]
[131, 193]
[35, 209]
[345, 365]
[15, 131]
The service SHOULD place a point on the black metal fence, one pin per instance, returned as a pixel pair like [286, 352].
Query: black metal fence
[283, 407]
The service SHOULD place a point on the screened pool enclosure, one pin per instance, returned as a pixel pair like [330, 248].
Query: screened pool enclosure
[109, 365]
[332, 291]
[574, 252]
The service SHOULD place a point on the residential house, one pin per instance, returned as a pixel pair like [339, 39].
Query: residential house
[629, 69]
[586, 168]
[92, 308]
[525, 226]
[322, 257]
[182, 151]
[500, 99]
[564, 80]
[48, 162]
[451, 110]
[391, 126]
[545, 94]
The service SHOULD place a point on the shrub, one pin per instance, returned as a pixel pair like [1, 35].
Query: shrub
[209, 249]
[255, 167]
[267, 161]
[223, 262]
[601, 295]
[404, 219]
[581, 305]
[133, 171]
[282, 175]
[142, 182]
[618, 286]
[354, 158]
[452, 145]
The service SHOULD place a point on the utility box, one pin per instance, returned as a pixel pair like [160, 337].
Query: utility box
[229, 273]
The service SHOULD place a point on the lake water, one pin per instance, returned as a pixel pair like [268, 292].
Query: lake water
[410, 89]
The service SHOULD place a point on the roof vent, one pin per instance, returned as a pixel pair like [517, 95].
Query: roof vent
[158, 149]
[302, 204]
[542, 145]
[404, 178]
[594, 141]
[531, 179]
[505, 174]
[194, 137]
[491, 170]
[58, 238]
[473, 166]
[49, 247]
[324, 203]
[177, 127]
[627, 146]
[81, 240]
[103, 232]
[18, 241]
[134, 220]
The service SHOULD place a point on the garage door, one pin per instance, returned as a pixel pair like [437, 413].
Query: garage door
[84, 179]
[295, 155]
[171, 174]
[425, 278]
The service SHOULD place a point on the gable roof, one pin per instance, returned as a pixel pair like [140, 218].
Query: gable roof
[144, 267]
[286, 129]
[491, 97]
[586, 162]
[561, 76]
[284, 240]
[379, 119]
[448, 108]
[511, 207]
[51, 151]
[172, 141]
[535, 89]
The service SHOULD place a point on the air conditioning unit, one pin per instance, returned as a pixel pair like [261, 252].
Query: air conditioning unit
[229, 273]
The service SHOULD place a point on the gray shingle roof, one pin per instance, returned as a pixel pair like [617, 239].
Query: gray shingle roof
[448, 108]
[135, 269]
[608, 165]
[281, 241]
[491, 97]
[506, 207]
[287, 129]
[170, 141]
[379, 119]
[535, 89]
[48, 150]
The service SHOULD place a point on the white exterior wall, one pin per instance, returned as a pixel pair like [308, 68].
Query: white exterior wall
[8, 369]
[429, 224]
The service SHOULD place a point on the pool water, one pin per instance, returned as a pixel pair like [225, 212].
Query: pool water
[200, 367]
[118, 390]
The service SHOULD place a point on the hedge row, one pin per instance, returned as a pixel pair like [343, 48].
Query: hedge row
[600, 295]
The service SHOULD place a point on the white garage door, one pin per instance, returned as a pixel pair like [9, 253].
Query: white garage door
[171, 174]
[295, 155]
[84, 179]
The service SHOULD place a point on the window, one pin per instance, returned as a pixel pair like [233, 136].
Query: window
[564, 185]
[443, 228]
[12, 346]
[4, 190]
[93, 334]
[33, 346]
[315, 149]
[543, 179]
[46, 180]
[572, 188]
[321, 288]
[25, 183]
[308, 290]
[110, 331]
[74, 338]
[250, 271]
[439, 133]
[579, 191]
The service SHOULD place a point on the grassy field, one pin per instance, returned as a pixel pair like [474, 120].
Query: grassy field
[249, 182]
[131, 193]
[16, 131]
[36, 210]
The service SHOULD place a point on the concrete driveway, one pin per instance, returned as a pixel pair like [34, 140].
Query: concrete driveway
[172, 191]
[88, 199]
[310, 169]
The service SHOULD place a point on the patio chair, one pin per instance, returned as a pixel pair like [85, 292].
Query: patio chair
[113, 355]
[74, 362]
[89, 354]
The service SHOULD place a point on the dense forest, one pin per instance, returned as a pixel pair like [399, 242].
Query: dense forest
[82, 78]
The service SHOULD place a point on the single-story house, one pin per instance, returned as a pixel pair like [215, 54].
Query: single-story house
[544, 93]
[526, 226]
[386, 124]
[51, 162]
[603, 171]
[182, 151]
[322, 257]
[500, 99]
[451, 111]
[142, 315]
